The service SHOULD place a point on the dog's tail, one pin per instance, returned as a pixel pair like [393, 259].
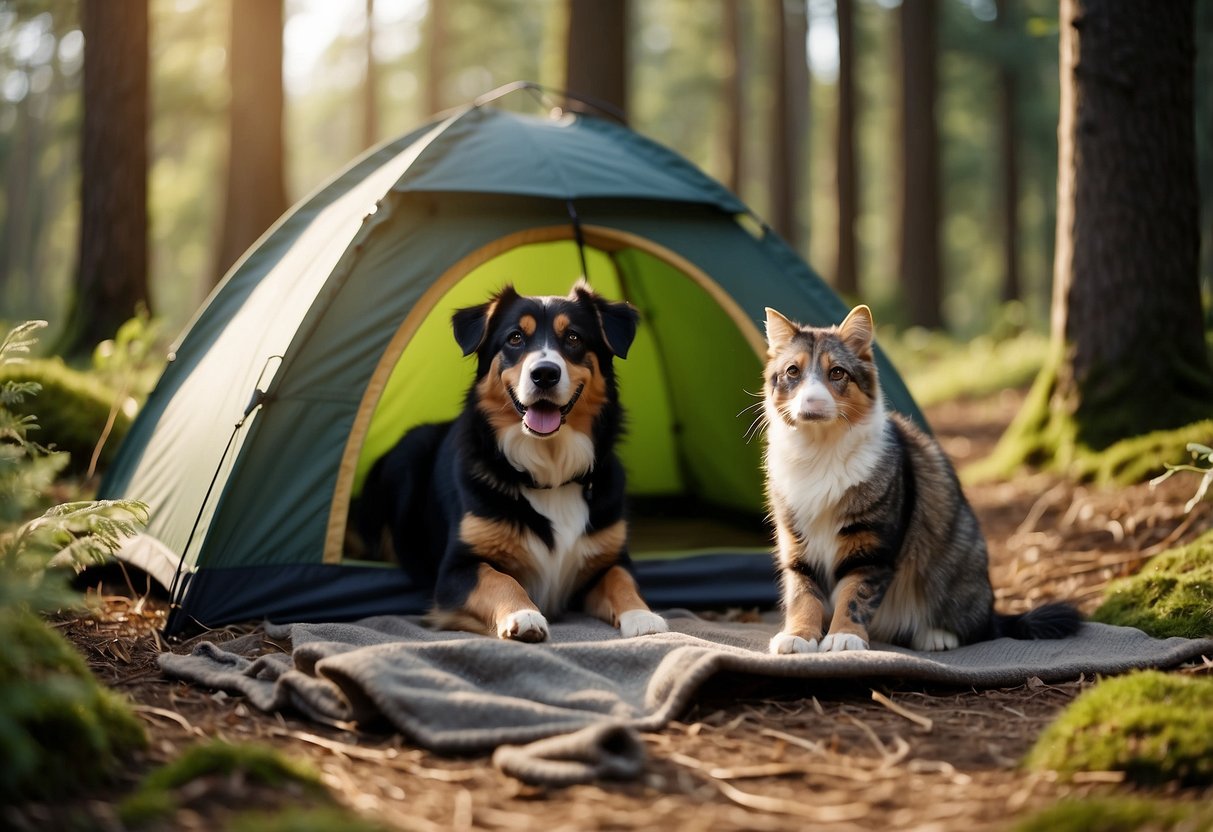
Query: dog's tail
[1054, 620]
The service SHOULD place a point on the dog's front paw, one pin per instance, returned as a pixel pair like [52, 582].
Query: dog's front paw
[837, 642]
[523, 625]
[641, 623]
[785, 642]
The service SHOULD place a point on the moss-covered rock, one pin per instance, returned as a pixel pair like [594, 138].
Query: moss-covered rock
[1118, 814]
[1172, 595]
[73, 409]
[60, 731]
[256, 764]
[1155, 727]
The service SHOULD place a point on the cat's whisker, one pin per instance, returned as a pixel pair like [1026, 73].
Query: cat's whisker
[748, 408]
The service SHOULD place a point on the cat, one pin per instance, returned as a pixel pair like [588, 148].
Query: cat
[873, 534]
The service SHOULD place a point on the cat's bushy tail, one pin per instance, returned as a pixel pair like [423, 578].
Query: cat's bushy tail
[1054, 620]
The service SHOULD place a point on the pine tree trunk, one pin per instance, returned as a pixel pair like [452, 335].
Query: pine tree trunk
[1126, 302]
[846, 269]
[370, 83]
[111, 277]
[256, 189]
[596, 65]
[734, 84]
[920, 268]
[1008, 150]
[788, 117]
[435, 67]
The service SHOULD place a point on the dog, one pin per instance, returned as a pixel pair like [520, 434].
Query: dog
[514, 511]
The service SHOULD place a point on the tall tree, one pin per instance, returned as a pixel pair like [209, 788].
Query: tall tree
[1008, 156]
[734, 85]
[1129, 351]
[596, 64]
[846, 268]
[111, 276]
[256, 188]
[921, 265]
[789, 116]
[435, 67]
[370, 82]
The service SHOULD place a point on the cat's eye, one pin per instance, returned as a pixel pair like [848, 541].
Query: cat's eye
[792, 371]
[514, 339]
[837, 374]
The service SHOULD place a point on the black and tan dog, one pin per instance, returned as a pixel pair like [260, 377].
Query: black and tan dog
[514, 511]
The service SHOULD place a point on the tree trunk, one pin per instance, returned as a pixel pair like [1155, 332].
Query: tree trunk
[1126, 299]
[788, 121]
[256, 190]
[921, 281]
[370, 83]
[846, 269]
[435, 67]
[1008, 149]
[734, 84]
[111, 277]
[596, 65]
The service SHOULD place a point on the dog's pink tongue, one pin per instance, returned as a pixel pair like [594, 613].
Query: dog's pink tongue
[542, 418]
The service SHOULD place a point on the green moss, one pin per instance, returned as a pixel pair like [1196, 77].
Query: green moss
[60, 731]
[1117, 814]
[257, 764]
[1155, 727]
[72, 410]
[1172, 595]
[303, 820]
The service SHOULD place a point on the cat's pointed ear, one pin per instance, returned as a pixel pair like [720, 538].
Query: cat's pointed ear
[779, 331]
[857, 330]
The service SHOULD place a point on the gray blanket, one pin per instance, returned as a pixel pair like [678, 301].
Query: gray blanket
[569, 710]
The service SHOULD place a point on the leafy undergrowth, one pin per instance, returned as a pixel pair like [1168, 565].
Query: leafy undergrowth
[1172, 595]
[937, 368]
[1118, 814]
[60, 731]
[1155, 727]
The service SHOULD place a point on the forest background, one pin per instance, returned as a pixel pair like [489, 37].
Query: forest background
[703, 77]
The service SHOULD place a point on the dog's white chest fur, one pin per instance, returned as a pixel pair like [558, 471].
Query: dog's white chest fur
[551, 462]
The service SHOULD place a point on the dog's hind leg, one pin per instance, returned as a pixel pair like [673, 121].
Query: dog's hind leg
[616, 600]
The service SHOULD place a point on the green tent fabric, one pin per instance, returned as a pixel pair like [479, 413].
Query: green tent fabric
[331, 337]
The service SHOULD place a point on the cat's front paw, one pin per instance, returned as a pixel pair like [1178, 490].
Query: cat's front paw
[837, 642]
[934, 639]
[641, 623]
[784, 642]
[523, 625]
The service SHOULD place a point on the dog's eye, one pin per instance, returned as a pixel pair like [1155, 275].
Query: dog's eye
[792, 371]
[837, 374]
[572, 338]
[514, 339]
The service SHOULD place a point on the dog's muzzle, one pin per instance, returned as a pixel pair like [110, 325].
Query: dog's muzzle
[543, 417]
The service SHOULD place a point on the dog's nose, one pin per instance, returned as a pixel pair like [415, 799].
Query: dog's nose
[545, 375]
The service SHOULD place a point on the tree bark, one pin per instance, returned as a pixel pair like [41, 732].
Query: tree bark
[435, 67]
[1008, 151]
[111, 276]
[734, 84]
[596, 65]
[256, 189]
[370, 83]
[788, 117]
[921, 278]
[1126, 301]
[846, 269]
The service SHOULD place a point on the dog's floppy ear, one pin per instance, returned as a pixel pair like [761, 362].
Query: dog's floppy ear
[471, 324]
[617, 319]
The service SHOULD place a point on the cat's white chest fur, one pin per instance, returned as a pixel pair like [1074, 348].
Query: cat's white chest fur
[808, 474]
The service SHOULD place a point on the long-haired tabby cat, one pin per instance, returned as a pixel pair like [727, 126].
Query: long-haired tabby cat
[874, 537]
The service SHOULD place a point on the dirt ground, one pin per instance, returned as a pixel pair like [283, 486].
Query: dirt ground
[768, 757]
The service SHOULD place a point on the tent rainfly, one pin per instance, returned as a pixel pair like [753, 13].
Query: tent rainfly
[331, 337]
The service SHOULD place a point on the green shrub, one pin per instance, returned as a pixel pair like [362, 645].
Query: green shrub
[1155, 727]
[1118, 814]
[1172, 595]
[60, 731]
[257, 764]
[73, 410]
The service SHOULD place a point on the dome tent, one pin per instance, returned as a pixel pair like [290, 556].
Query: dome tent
[331, 337]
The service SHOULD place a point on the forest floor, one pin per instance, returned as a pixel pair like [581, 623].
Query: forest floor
[770, 757]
